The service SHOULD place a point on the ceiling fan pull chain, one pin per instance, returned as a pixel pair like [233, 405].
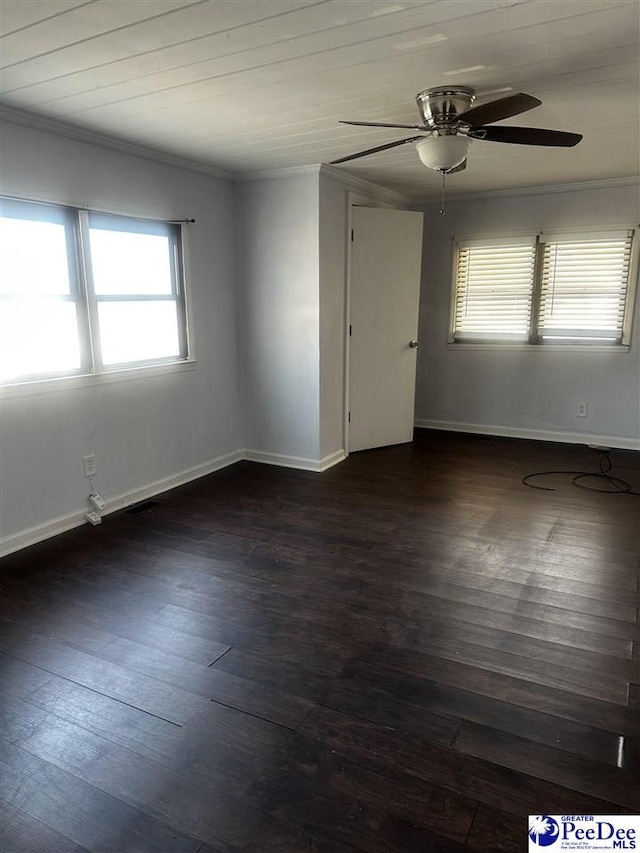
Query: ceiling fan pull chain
[442, 210]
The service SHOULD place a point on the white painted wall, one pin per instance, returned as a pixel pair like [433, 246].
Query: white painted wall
[532, 392]
[143, 431]
[278, 330]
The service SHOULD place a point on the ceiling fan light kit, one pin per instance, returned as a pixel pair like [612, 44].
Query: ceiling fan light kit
[449, 120]
[443, 153]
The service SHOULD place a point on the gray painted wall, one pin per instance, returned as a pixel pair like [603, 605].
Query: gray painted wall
[533, 391]
[147, 429]
[278, 321]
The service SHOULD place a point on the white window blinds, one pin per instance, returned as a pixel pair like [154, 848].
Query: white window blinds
[493, 290]
[584, 286]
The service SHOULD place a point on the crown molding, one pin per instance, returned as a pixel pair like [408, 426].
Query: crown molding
[543, 189]
[347, 180]
[91, 137]
[368, 187]
[273, 174]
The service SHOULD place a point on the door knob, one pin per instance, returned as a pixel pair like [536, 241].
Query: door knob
[414, 344]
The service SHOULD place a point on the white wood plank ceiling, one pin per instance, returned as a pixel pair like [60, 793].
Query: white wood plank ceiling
[254, 85]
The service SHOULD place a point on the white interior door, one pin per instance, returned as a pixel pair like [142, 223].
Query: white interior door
[386, 256]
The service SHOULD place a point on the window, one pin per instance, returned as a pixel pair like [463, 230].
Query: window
[84, 292]
[493, 291]
[556, 288]
[584, 287]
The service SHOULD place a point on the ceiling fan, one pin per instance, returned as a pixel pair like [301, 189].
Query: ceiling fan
[449, 122]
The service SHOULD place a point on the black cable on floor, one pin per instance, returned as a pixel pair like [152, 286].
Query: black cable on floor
[620, 487]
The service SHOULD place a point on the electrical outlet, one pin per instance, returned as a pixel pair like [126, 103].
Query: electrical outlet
[93, 517]
[90, 466]
[582, 410]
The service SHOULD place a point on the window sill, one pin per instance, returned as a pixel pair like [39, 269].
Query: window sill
[524, 347]
[86, 380]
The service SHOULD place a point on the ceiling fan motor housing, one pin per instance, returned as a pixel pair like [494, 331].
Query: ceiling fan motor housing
[439, 108]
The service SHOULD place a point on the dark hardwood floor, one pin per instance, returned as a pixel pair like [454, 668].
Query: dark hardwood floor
[410, 652]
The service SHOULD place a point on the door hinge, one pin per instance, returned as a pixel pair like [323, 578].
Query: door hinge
[350, 329]
[352, 235]
[349, 418]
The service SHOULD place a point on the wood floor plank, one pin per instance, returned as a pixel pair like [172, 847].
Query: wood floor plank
[427, 712]
[534, 628]
[21, 833]
[516, 691]
[608, 686]
[105, 716]
[148, 694]
[410, 837]
[146, 785]
[494, 831]
[285, 709]
[506, 596]
[289, 670]
[18, 678]
[150, 793]
[190, 749]
[619, 785]
[454, 633]
[492, 784]
[82, 813]
[364, 806]
[409, 653]
[13, 631]
[101, 626]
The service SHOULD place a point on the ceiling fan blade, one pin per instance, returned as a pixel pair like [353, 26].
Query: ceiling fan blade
[382, 124]
[526, 136]
[460, 168]
[498, 110]
[374, 150]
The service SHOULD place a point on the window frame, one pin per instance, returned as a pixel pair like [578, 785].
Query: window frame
[534, 340]
[82, 294]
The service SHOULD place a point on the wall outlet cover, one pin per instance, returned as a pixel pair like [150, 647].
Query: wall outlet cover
[90, 466]
[582, 410]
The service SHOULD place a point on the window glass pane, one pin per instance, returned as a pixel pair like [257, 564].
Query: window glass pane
[138, 331]
[33, 258]
[38, 337]
[129, 264]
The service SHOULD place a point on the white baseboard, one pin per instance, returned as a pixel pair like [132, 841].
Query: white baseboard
[32, 535]
[153, 489]
[24, 538]
[299, 462]
[331, 460]
[620, 442]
